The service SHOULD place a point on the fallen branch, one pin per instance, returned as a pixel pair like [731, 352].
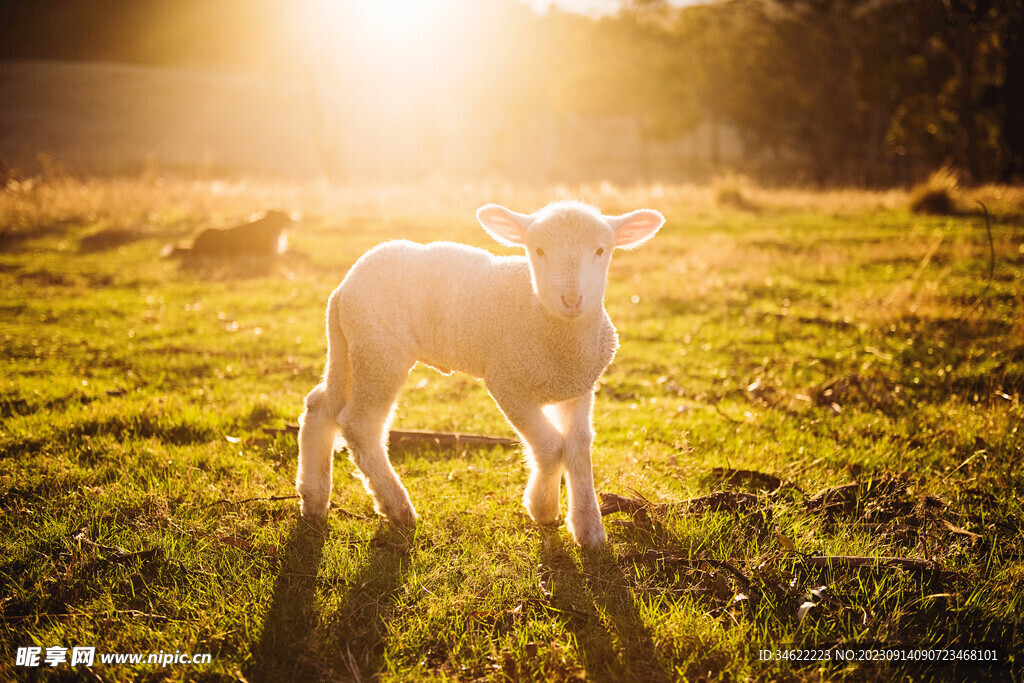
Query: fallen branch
[403, 438]
[953, 529]
[726, 564]
[119, 554]
[612, 503]
[225, 501]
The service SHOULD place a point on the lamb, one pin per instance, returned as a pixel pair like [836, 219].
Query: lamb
[533, 327]
[265, 236]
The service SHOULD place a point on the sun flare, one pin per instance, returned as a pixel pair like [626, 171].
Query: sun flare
[384, 33]
[396, 20]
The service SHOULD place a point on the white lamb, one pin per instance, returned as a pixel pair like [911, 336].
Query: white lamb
[534, 328]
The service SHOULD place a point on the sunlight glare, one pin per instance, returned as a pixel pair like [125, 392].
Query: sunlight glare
[390, 33]
[396, 20]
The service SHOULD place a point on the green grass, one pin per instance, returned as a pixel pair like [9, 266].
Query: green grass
[823, 346]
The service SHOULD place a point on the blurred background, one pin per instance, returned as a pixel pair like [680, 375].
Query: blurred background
[871, 93]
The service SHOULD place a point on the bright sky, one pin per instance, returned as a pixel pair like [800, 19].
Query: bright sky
[591, 7]
[410, 44]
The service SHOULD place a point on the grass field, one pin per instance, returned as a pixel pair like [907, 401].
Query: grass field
[856, 368]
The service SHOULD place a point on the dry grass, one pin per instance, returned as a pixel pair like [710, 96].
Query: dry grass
[57, 196]
[937, 196]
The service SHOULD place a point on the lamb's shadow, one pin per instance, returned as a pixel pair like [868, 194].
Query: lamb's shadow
[613, 641]
[359, 624]
[299, 643]
[291, 618]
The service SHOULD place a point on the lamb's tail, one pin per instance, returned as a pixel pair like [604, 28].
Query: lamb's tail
[318, 426]
[338, 370]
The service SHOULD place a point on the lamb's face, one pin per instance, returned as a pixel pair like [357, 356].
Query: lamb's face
[569, 255]
[569, 246]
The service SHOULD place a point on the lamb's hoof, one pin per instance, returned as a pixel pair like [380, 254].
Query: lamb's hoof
[400, 515]
[313, 511]
[589, 534]
[544, 514]
[548, 519]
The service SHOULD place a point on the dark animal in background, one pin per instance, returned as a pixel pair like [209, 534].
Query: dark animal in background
[264, 237]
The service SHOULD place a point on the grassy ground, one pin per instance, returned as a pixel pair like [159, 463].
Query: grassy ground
[793, 344]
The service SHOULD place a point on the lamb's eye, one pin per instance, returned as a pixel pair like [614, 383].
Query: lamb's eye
[600, 251]
[540, 252]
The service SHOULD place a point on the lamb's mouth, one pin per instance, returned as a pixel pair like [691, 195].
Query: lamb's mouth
[569, 314]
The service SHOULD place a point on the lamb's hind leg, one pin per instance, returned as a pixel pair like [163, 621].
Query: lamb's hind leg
[377, 377]
[317, 431]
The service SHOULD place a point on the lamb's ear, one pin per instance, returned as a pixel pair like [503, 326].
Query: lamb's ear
[505, 226]
[636, 227]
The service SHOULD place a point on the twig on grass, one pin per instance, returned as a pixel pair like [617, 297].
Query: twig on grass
[991, 271]
[726, 564]
[225, 501]
[954, 529]
[119, 553]
[400, 438]
[612, 503]
[403, 437]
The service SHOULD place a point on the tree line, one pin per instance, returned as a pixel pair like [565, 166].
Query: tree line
[870, 92]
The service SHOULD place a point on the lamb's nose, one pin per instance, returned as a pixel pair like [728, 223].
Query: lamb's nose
[572, 301]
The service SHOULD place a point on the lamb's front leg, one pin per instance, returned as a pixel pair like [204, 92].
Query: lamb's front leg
[575, 419]
[543, 452]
